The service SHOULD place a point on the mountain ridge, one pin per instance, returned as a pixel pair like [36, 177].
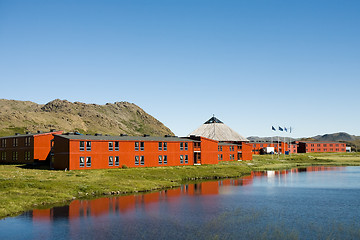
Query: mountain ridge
[111, 118]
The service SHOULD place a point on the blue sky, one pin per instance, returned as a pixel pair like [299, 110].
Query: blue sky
[253, 64]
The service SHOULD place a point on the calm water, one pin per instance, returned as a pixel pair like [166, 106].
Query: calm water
[311, 203]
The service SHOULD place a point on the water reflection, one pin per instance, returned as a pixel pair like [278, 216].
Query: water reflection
[150, 201]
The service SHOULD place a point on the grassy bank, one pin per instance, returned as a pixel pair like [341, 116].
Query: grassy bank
[23, 189]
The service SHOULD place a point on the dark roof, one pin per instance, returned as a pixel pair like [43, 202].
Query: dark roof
[30, 134]
[126, 138]
[213, 120]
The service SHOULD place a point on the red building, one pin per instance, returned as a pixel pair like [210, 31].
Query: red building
[75, 152]
[26, 148]
[98, 152]
[310, 147]
[259, 147]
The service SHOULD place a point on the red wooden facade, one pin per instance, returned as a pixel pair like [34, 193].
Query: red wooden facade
[26, 148]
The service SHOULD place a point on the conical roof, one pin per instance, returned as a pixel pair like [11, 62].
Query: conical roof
[217, 130]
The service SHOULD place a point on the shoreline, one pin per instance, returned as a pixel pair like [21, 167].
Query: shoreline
[23, 189]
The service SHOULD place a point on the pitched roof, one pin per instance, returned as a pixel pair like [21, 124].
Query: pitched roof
[217, 130]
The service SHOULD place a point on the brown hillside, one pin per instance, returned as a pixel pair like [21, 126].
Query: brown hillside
[116, 118]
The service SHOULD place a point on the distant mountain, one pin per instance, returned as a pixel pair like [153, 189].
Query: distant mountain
[112, 118]
[336, 137]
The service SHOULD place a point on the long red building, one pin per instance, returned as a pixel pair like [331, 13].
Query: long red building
[75, 152]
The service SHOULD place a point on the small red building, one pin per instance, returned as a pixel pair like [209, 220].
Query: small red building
[27, 148]
[311, 147]
[259, 147]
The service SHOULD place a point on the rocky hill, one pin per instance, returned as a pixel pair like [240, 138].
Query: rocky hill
[111, 118]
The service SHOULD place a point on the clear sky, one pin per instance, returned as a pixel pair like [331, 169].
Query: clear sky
[253, 63]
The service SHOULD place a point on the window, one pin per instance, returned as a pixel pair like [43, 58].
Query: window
[230, 156]
[27, 156]
[181, 159]
[136, 160]
[88, 147]
[82, 145]
[220, 148]
[15, 142]
[160, 159]
[116, 146]
[325, 145]
[186, 159]
[27, 141]
[165, 146]
[88, 161]
[181, 146]
[15, 156]
[111, 146]
[136, 146]
[165, 159]
[186, 146]
[160, 146]
[3, 143]
[3, 156]
[111, 161]
[142, 160]
[117, 160]
[218, 156]
[142, 146]
[82, 162]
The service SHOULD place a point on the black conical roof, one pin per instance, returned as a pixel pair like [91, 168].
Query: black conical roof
[213, 120]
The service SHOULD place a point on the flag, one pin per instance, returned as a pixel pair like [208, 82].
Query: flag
[281, 129]
[285, 129]
[272, 128]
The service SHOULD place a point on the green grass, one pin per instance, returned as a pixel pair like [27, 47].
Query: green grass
[23, 189]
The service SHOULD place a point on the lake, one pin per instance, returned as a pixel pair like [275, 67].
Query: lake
[309, 203]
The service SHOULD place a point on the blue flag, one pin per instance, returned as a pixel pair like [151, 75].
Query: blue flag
[281, 129]
[285, 129]
[272, 128]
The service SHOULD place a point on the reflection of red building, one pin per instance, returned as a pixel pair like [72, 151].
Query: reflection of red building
[26, 148]
[148, 201]
[123, 204]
